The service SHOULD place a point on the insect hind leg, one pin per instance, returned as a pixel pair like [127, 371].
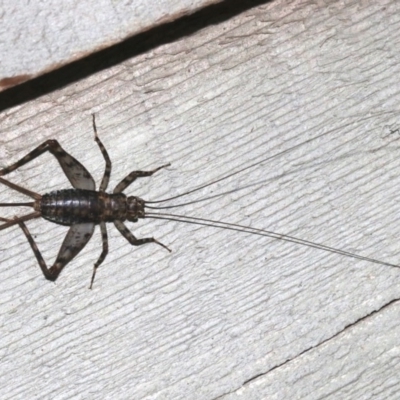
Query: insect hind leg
[75, 240]
[49, 274]
[76, 173]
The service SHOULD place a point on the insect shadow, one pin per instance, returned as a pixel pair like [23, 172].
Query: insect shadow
[82, 208]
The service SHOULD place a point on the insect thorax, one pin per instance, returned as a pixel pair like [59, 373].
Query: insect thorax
[74, 206]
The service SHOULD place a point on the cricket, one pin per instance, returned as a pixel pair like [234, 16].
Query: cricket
[82, 207]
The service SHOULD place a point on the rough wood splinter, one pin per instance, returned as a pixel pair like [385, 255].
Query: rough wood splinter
[82, 208]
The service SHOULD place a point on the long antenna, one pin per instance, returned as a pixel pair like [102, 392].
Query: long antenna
[258, 162]
[262, 232]
[242, 169]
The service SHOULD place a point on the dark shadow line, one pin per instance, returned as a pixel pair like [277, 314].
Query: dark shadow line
[309, 349]
[131, 47]
[320, 344]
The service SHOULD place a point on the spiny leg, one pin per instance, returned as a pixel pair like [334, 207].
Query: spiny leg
[76, 239]
[107, 171]
[132, 177]
[127, 234]
[76, 173]
[103, 254]
[46, 272]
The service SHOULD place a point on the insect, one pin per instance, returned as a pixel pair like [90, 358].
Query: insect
[82, 208]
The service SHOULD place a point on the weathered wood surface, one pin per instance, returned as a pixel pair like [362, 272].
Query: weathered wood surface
[226, 315]
[41, 36]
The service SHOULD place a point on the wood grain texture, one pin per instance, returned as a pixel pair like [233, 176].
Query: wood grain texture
[39, 37]
[226, 315]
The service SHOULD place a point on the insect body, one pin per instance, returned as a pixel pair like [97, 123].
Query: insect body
[74, 206]
[83, 207]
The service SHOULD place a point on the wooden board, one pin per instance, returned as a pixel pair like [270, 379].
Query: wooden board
[42, 36]
[227, 314]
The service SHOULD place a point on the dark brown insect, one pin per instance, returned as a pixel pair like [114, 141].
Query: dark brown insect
[80, 208]
[83, 207]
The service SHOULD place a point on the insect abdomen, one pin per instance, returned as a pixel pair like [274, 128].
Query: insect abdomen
[74, 206]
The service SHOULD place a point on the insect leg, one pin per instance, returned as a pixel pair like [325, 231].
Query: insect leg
[46, 272]
[133, 175]
[103, 254]
[107, 171]
[127, 234]
[76, 173]
[76, 239]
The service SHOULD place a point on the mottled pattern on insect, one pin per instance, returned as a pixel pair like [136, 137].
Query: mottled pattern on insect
[81, 208]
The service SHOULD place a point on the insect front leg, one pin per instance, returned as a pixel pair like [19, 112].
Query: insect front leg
[132, 177]
[76, 173]
[103, 254]
[76, 239]
[127, 234]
